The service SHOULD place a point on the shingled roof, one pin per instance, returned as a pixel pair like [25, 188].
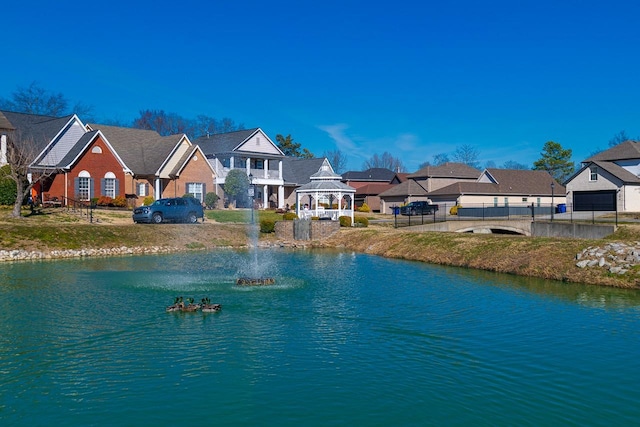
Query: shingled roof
[447, 170]
[371, 174]
[297, 171]
[409, 187]
[143, 151]
[506, 182]
[623, 151]
[224, 142]
[40, 129]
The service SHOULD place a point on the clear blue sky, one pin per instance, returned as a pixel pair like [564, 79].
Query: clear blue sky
[413, 78]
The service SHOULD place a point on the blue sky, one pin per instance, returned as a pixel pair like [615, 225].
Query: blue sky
[412, 78]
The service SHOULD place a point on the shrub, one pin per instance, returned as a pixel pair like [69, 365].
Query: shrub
[345, 221]
[8, 191]
[148, 201]
[454, 210]
[364, 208]
[102, 201]
[289, 216]
[267, 226]
[361, 221]
[120, 202]
[211, 200]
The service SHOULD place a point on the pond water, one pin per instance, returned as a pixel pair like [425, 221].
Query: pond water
[341, 339]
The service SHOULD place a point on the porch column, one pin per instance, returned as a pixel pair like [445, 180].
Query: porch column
[157, 190]
[248, 165]
[297, 204]
[265, 196]
[266, 168]
[232, 162]
[281, 196]
[279, 169]
[3, 150]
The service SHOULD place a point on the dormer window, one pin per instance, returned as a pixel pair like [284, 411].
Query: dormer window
[593, 173]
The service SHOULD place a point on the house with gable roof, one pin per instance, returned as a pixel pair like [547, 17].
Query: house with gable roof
[169, 166]
[607, 181]
[86, 161]
[420, 184]
[273, 175]
[50, 139]
[502, 188]
[370, 183]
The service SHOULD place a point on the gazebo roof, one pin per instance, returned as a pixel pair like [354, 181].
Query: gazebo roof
[325, 180]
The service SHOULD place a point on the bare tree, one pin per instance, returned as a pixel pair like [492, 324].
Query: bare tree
[337, 159]
[386, 160]
[21, 151]
[468, 155]
[618, 138]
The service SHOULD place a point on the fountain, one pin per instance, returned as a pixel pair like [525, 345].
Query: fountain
[256, 277]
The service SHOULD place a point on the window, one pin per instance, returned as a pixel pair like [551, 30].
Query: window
[109, 185]
[143, 189]
[524, 199]
[196, 189]
[96, 150]
[538, 201]
[83, 190]
[495, 202]
[593, 173]
[506, 201]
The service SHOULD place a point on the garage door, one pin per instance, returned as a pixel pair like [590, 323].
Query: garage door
[594, 200]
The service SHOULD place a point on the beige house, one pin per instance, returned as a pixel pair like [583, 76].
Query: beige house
[421, 184]
[503, 188]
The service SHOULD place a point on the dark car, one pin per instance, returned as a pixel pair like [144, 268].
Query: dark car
[176, 209]
[418, 208]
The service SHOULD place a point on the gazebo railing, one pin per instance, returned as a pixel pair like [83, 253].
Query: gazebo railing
[332, 214]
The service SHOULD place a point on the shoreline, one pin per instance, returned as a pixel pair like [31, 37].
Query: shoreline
[591, 262]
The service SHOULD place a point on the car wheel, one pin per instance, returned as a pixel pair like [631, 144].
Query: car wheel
[157, 218]
[192, 218]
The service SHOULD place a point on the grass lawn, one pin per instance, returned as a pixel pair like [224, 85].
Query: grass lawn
[241, 215]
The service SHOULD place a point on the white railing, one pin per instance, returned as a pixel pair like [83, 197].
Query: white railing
[332, 214]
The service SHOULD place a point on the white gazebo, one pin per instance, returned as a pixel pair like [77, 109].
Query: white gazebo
[325, 188]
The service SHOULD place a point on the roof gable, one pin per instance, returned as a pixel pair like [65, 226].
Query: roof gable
[246, 141]
[144, 151]
[81, 148]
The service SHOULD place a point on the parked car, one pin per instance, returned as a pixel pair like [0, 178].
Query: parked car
[418, 208]
[176, 209]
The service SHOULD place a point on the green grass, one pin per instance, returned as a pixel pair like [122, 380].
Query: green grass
[241, 215]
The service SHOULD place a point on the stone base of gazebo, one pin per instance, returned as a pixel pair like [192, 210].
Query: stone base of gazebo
[296, 230]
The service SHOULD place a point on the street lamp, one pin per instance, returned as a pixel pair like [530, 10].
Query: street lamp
[552, 202]
[251, 191]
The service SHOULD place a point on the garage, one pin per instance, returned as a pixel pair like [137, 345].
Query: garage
[604, 200]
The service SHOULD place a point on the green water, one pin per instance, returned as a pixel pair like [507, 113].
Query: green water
[341, 339]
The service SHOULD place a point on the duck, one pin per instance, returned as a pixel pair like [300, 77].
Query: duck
[207, 307]
[177, 305]
[190, 307]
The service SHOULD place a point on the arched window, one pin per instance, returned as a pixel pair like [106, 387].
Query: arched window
[109, 185]
[96, 150]
[83, 186]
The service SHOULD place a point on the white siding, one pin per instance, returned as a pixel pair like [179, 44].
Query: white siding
[259, 143]
[66, 141]
[629, 199]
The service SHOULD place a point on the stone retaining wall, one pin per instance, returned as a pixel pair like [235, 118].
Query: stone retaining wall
[22, 255]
